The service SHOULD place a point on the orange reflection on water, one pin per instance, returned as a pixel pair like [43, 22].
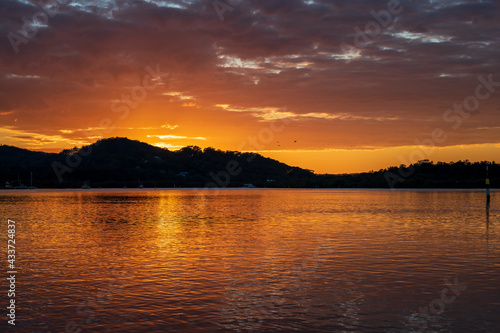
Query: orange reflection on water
[239, 259]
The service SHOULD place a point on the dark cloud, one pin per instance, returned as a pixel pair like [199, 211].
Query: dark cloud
[265, 53]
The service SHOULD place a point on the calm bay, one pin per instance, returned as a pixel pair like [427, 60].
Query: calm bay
[254, 260]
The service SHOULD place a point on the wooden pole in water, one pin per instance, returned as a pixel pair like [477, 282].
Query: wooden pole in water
[487, 187]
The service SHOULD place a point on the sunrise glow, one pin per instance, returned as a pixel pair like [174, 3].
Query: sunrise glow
[179, 73]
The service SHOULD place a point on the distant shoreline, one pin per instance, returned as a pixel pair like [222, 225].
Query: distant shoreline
[121, 162]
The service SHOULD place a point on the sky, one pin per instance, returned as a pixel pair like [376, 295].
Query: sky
[332, 86]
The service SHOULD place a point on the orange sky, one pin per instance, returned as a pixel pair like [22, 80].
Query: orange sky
[288, 79]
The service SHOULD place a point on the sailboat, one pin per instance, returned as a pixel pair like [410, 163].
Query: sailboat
[140, 184]
[86, 185]
[20, 186]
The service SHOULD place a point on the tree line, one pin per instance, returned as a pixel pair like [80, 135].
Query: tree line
[121, 162]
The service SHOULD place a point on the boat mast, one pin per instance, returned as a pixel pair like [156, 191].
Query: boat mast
[487, 187]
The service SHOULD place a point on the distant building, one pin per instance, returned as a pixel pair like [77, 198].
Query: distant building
[8, 185]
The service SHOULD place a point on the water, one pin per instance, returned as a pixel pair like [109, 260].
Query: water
[253, 261]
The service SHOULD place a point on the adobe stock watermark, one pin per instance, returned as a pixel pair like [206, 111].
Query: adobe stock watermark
[48, 9]
[372, 29]
[89, 308]
[128, 101]
[233, 168]
[222, 6]
[30, 28]
[455, 117]
[437, 306]
[247, 311]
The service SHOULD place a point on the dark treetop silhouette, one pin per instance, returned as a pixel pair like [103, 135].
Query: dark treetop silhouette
[116, 162]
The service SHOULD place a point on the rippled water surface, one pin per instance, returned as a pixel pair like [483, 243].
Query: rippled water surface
[254, 261]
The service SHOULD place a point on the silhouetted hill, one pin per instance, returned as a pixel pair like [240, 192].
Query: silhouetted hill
[18, 158]
[117, 162]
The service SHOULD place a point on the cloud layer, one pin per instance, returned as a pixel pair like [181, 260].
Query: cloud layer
[346, 74]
